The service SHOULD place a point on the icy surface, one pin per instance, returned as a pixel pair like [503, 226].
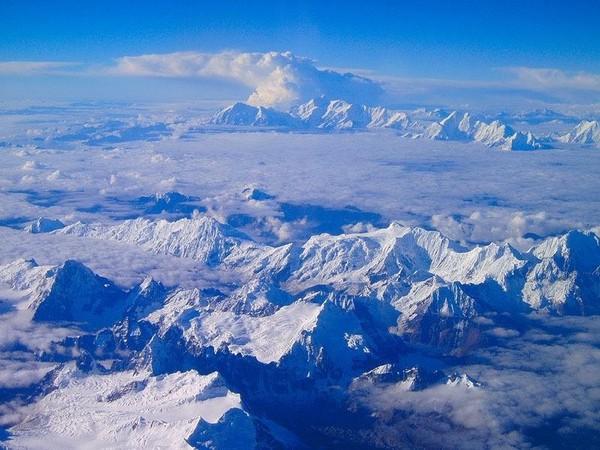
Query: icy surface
[124, 410]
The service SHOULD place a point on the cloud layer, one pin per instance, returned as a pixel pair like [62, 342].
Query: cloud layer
[546, 401]
[277, 79]
[282, 79]
[34, 67]
[548, 78]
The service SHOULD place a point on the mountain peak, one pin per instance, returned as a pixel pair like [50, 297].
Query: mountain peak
[44, 225]
[587, 132]
[242, 114]
[200, 237]
[76, 294]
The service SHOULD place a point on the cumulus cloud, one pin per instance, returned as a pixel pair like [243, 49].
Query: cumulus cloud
[277, 79]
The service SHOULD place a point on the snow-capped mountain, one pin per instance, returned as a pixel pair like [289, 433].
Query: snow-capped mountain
[73, 293]
[341, 115]
[315, 114]
[438, 313]
[201, 238]
[135, 410]
[566, 276]
[398, 253]
[396, 265]
[521, 141]
[454, 127]
[494, 134]
[587, 132]
[241, 114]
[44, 225]
[168, 202]
[289, 323]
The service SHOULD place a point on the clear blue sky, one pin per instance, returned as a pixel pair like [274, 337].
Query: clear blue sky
[459, 40]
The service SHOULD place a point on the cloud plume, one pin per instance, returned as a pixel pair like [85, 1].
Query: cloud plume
[277, 79]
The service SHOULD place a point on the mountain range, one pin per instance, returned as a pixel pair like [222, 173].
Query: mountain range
[258, 352]
[324, 114]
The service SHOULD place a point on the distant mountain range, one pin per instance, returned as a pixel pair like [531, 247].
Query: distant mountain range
[587, 132]
[324, 114]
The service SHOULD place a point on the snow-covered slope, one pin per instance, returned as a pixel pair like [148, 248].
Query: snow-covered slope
[25, 276]
[201, 238]
[71, 292]
[399, 253]
[44, 225]
[267, 338]
[566, 277]
[339, 114]
[124, 410]
[312, 111]
[241, 114]
[452, 128]
[456, 127]
[587, 132]
[286, 325]
[317, 113]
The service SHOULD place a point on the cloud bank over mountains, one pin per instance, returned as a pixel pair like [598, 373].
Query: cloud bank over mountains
[277, 79]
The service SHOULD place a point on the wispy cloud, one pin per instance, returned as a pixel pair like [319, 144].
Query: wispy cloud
[546, 78]
[508, 88]
[37, 67]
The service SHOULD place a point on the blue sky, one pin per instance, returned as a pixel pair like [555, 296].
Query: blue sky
[462, 41]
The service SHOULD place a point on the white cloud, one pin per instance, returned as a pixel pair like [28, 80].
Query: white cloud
[545, 78]
[510, 88]
[278, 79]
[518, 228]
[524, 400]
